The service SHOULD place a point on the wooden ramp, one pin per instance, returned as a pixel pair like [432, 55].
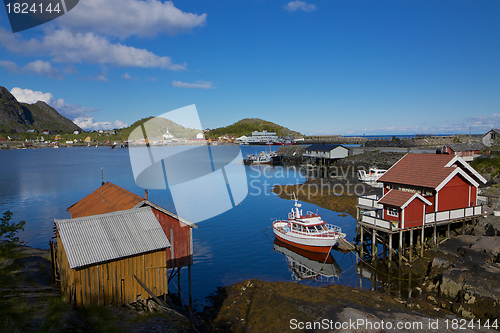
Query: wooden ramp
[344, 245]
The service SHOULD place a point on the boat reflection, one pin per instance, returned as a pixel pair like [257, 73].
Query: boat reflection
[308, 265]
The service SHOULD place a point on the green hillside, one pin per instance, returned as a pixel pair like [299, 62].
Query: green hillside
[248, 125]
[155, 127]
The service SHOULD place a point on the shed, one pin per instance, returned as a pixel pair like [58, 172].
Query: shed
[468, 151]
[111, 198]
[491, 136]
[99, 255]
[327, 151]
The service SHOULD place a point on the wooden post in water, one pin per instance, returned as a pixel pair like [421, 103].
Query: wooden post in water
[463, 227]
[190, 289]
[448, 233]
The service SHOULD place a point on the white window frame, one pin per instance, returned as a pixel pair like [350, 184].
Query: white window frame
[392, 211]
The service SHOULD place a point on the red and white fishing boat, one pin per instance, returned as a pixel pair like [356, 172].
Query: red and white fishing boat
[308, 232]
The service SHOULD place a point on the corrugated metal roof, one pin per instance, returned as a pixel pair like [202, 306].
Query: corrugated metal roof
[98, 238]
[106, 199]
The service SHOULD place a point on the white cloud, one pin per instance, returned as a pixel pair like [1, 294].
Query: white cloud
[124, 18]
[44, 68]
[68, 110]
[29, 96]
[199, 85]
[10, 66]
[67, 47]
[89, 123]
[126, 76]
[299, 5]
[40, 67]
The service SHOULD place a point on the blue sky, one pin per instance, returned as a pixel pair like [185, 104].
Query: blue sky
[348, 67]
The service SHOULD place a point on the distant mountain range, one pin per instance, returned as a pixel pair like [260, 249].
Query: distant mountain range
[18, 117]
[248, 125]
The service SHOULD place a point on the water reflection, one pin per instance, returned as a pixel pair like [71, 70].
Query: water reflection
[308, 265]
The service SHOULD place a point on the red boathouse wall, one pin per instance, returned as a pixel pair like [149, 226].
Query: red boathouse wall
[414, 213]
[179, 236]
[454, 195]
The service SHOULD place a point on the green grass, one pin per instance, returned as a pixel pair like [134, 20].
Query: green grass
[101, 318]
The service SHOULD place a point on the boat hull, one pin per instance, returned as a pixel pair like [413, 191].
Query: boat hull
[309, 243]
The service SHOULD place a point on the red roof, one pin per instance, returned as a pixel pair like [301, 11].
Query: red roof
[423, 170]
[106, 199]
[399, 198]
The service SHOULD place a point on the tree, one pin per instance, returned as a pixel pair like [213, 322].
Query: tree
[9, 230]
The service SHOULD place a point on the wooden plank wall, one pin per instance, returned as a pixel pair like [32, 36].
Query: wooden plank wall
[113, 283]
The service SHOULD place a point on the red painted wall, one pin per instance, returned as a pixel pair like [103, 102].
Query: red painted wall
[473, 196]
[454, 195]
[181, 240]
[414, 213]
[390, 217]
[430, 208]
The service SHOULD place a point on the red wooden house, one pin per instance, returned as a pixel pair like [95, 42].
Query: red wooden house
[468, 151]
[425, 188]
[111, 198]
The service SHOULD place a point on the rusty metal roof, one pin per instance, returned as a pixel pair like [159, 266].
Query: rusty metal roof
[111, 198]
[106, 199]
[99, 238]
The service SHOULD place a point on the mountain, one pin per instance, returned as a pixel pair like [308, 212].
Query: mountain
[18, 117]
[156, 127]
[248, 125]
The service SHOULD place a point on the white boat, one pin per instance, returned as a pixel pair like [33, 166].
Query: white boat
[308, 232]
[262, 158]
[308, 265]
[371, 176]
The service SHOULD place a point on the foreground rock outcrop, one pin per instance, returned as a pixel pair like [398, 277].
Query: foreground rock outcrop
[258, 306]
[467, 285]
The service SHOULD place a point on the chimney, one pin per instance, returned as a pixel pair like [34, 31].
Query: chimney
[146, 194]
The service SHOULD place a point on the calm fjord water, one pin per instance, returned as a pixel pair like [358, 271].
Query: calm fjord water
[38, 185]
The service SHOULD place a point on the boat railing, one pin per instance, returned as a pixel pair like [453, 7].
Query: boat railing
[330, 228]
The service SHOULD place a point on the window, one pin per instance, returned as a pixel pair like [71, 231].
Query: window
[392, 211]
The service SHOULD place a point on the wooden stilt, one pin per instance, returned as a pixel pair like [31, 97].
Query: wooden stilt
[361, 276]
[374, 244]
[411, 245]
[463, 227]
[190, 289]
[390, 250]
[179, 282]
[448, 232]
[435, 234]
[361, 242]
[400, 250]
[422, 242]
